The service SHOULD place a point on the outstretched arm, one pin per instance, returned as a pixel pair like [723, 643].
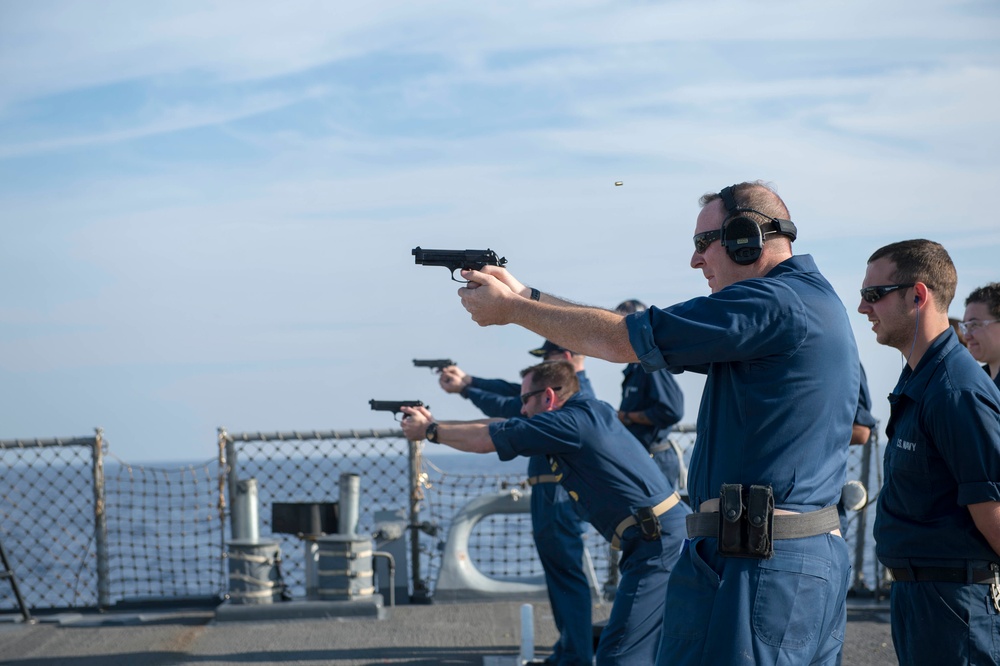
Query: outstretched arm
[494, 297]
[468, 436]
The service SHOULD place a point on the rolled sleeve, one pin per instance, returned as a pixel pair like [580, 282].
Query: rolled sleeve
[500, 433]
[640, 336]
[975, 493]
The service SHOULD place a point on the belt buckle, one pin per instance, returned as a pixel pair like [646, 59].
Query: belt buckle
[995, 586]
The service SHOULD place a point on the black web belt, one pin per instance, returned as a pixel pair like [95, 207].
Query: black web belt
[944, 575]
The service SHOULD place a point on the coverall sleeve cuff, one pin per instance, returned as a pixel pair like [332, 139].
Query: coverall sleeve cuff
[500, 434]
[974, 493]
[640, 336]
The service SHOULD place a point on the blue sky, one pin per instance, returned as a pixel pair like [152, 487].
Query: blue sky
[208, 208]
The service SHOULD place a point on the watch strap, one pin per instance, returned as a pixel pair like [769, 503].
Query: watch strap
[431, 434]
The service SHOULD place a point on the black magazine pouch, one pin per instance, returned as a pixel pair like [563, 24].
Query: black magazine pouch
[732, 534]
[649, 523]
[760, 522]
[746, 521]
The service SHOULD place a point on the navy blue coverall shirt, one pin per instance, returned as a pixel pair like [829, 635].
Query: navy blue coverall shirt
[659, 398]
[611, 476]
[777, 409]
[943, 454]
[557, 529]
[655, 394]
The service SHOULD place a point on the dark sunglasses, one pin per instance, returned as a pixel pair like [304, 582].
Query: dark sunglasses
[525, 397]
[875, 294]
[704, 239]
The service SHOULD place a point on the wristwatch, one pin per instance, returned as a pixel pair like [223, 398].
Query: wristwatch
[431, 434]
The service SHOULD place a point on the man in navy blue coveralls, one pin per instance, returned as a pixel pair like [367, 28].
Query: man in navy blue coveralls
[780, 396]
[937, 527]
[556, 526]
[652, 402]
[608, 473]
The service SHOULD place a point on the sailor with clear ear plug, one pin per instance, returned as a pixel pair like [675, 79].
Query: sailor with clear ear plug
[937, 526]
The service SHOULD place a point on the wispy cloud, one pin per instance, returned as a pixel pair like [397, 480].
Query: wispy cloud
[51, 46]
[173, 117]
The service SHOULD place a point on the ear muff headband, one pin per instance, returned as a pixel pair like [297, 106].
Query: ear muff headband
[743, 236]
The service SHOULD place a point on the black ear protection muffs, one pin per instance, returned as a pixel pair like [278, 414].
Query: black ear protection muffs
[743, 236]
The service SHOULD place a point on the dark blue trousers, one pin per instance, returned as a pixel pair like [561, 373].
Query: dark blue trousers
[944, 623]
[789, 609]
[558, 531]
[632, 634]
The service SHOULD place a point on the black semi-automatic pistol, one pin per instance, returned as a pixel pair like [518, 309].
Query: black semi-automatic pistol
[394, 405]
[455, 260]
[434, 364]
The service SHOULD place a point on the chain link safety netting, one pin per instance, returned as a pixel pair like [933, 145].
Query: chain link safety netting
[47, 519]
[164, 531]
[80, 533]
[305, 467]
[83, 529]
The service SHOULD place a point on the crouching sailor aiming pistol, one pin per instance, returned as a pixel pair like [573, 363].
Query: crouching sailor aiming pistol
[607, 472]
[556, 527]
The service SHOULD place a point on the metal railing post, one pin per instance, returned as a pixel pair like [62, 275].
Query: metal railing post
[224, 460]
[101, 523]
[420, 592]
[232, 472]
[861, 529]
